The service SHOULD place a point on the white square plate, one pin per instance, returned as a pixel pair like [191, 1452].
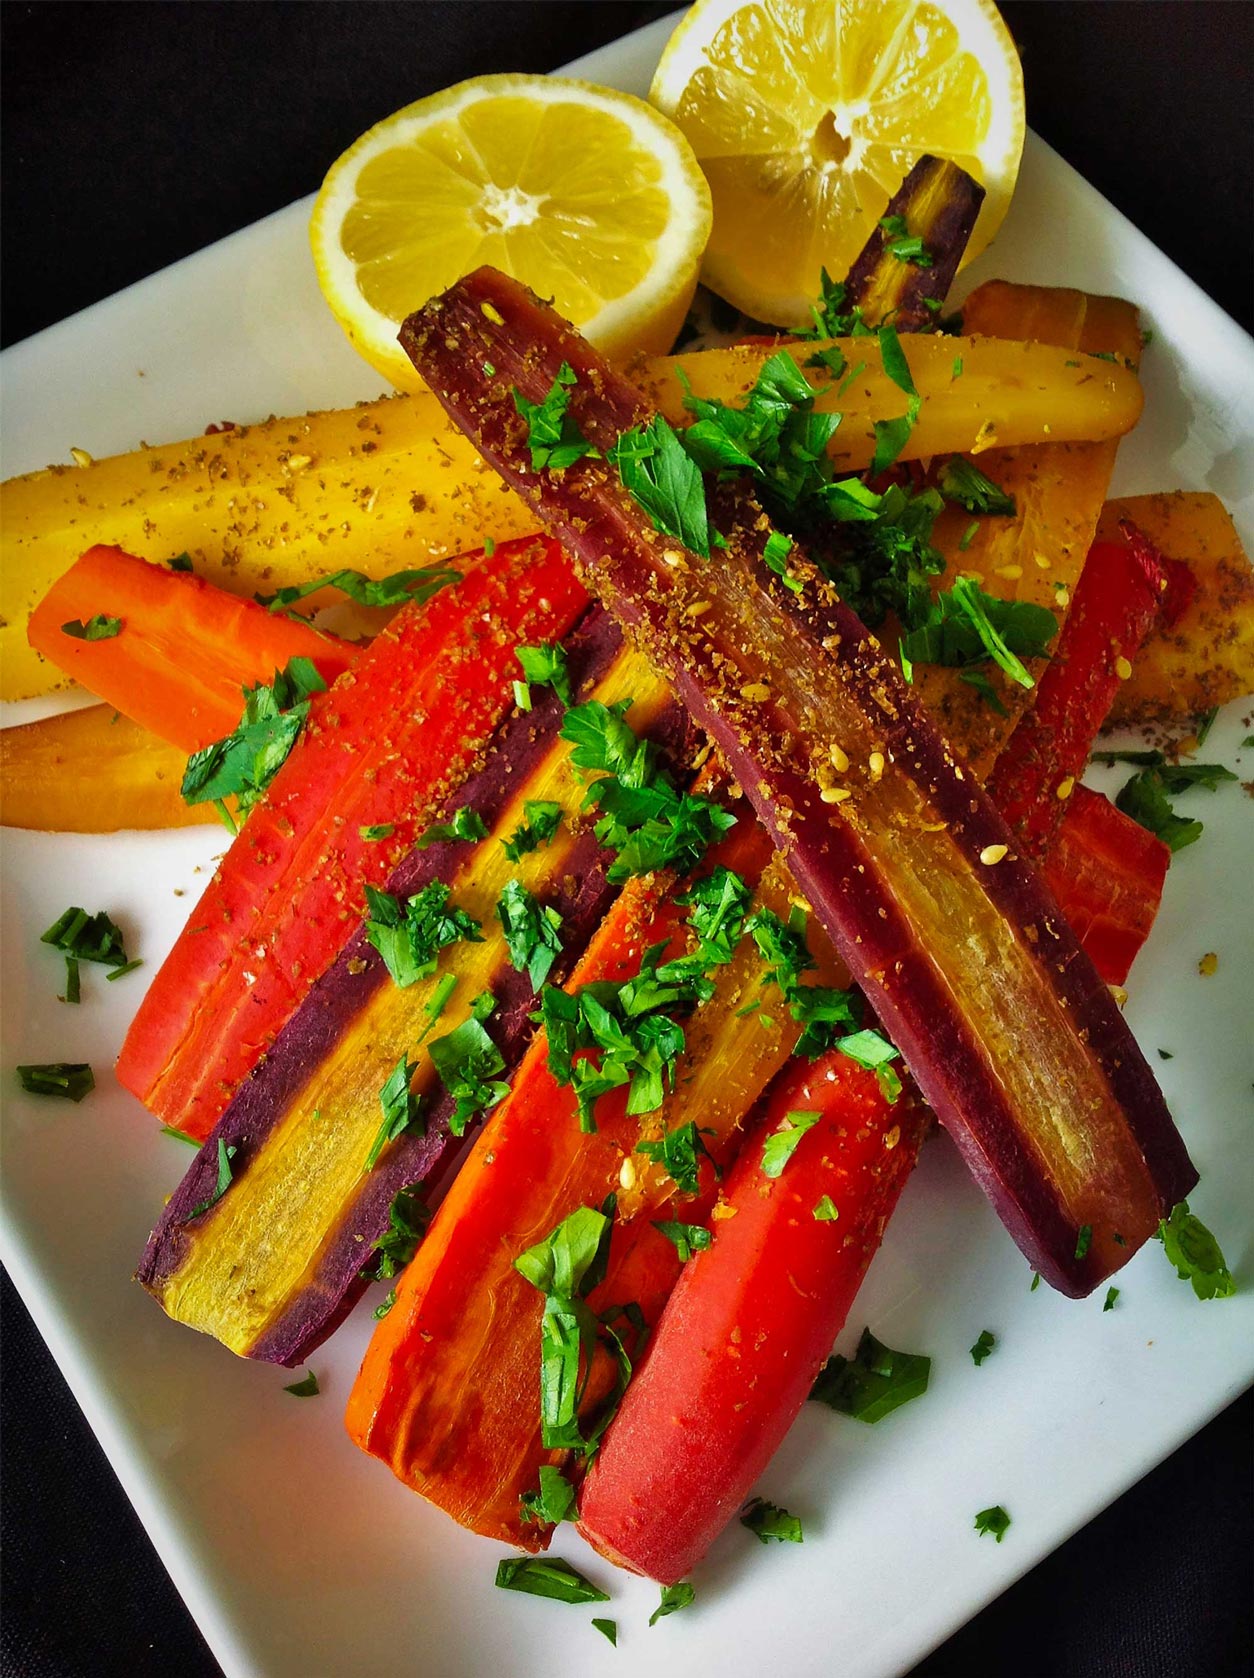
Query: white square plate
[299, 1555]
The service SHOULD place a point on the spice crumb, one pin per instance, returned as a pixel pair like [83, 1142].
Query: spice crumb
[1208, 964]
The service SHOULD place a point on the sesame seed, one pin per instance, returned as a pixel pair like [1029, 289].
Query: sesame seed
[1065, 787]
[490, 312]
[1122, 668]
[627, 1173]
[834, 795]
[81, 457]
[993, 853]
[875, 763]
[840, 759]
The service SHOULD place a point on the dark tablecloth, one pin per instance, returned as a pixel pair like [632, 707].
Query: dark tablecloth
[134, 134]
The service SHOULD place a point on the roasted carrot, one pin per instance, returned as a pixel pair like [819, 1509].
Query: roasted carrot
[182, 651]
[379, 752]
[1107, 873]
[1116, 604]
[751, 1318]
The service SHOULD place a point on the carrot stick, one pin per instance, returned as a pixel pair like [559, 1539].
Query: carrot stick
[1107, 873]
[1116, 605]
[751, 1319]
[183, 650]
[378, 753]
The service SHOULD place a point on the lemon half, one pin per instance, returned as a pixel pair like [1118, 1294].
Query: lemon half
[806, 115]
[588, 196]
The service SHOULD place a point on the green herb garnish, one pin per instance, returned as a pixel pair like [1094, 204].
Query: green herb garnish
[686, 1239]
[226, 1153]
[984, 1344]
[553, 437]
[463, 824]
[767, 1520]
[99, 628]
[69, 1080]
[385, 1305]
[679, 1153]
[408, 1218]
[532, 932]
[1196, 1254]
[308, 1388]
[554, 1500]
[994, 1520]
[468, 1062]
[417, 585]
[83, 937]
[1112, 1295]
[400, 1110]
[381, 830]
[1083, 1241]
[180, 562]
[904, 245]
[410, 939]
[546, 1576]
[608, 1628]
[966, 485]
[663, 479]
[1146, 796]
[874, 1382]
[966, 628]
[244, 763]
[826, 1210]
[544, 665]
[781, 1144]
[674, 1597]
[542, 818]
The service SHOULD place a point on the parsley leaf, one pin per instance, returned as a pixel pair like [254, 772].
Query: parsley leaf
[554, 1500]
[69, 1080]
[417, 585]
[226, 1153]
[468, 1061]
[826, 1210]
[965, 484]
[385, 1305]
[781, 1144]
[1145, 796]
[1112, 1295]
[674, 1597]
[966, 628]
[767, 1520]
[686, 1239]
[408, 1218]
[543, 817]
[308, 1388]
[891, 435]
[410, 939]
[546, 1576]
[545, 665]
[663, 479]
[532, 934]
[180, 562]
[83, 937]
[464, 824]
[985, 1342]
[607, 1628]
[246, 761]
[380, 830]
[400, 1110]
[875, 1382]
[904, 245]
[553, 437]
[99, 628]
[1193, 1250]
[679, 1153]
[719, 903]
[821, 1010]
[1083, 1240]
[994, 1520]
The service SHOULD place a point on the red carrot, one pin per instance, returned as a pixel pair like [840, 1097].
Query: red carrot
[1117, 603]
[752, 1318]
[1107, 873]
[361, 783]
[182, 651]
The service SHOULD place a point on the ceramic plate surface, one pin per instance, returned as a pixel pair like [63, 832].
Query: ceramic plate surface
[297, 1554]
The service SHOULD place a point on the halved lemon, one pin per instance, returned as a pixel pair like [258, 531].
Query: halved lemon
[588, 196]
[806, 115]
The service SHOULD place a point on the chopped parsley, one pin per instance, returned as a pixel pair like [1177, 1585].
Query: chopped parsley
[180, 1136]
[876, 1053]
[1146, 797]
[468, 1062]
[607, 1628]
[994, 1520]
[1193, 1250]
[67, 1079]
[408, 1218]
[544, 665]
[767, 1520]
[1112, 1294]
[83, 937]
[719, 903]
[542, 818]
[984, 1344]
[385, 1305]
[965, 484]
[180, 562]
[381, 830]
[401, 1113]
[679, 1153]
[825, 1013]
[417, 585]
[966, 629]
[904, 245]
[674, 1597]
[565, 1267]
[226, 1153]
[775, 556]
[781, 1144]
[410, 939]
[686, 1239]
[660, 474]
[99, 628]
[463, 824]
[874, 1382]
[826, 1210]
[244, 763]
[554, 1500]
[892, 435]
[308, 1388]
[1083, 1241]
[532, 932]
[546, 1576]
[553, 437]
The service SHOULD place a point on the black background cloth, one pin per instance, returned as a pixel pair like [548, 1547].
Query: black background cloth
[134, 134]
